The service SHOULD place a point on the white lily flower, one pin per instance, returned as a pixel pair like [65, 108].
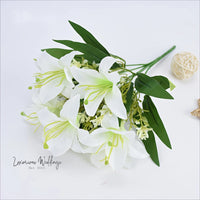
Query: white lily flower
[115, 144]
[60, 133]
[97, 86]
[55, 76]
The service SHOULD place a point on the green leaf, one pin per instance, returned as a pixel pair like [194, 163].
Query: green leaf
[148, 85]
[88, 37]
[119, 120]
[129, 99]
[92, 53]
[151, 148]
[162, 80]
[56, 52]
[155, 121]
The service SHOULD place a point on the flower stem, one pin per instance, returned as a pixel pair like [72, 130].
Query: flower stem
[134, 65]
[148, 66]
[114, 56]
[162, 56]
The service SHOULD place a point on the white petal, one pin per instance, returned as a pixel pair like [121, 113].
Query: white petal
[70, 109]
[110, 121]
[63, 142]
[81, 148]
[67, 91]
[97, 159]
[34, 108]
[96, 138]
[130, 162]
[47, 117]
[47, 63]
[93, 105]
[114, 102]
[50, 90]
[65, 63]
[68, 75]
[106, 63]
[78, 90]
[35, 96]
[85, 76]
[136, 149]
[118, 131]
[67, 59]
[118, 155]
[113, 77]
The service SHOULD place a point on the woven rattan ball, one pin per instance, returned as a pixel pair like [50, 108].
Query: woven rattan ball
[184, 65]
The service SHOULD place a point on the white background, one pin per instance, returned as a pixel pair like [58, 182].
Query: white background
[136, 31]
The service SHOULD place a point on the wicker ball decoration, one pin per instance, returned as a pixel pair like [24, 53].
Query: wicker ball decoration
[184, 65]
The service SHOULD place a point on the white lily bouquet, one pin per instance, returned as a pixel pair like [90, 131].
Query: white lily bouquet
[90, 101]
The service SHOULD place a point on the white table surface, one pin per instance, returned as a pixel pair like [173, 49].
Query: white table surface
[136, 31]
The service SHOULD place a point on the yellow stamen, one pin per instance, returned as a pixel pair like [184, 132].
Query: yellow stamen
[99, 148]
[44, 78]
[33, 119]
[113, 144]
[102, 87]
[55, 131]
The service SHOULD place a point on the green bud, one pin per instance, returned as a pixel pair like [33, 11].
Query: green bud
[30, 87]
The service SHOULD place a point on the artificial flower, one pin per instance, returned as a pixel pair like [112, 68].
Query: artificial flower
[55, 76]
[115, 144]
[60, 133]
[92, 103]
[100, 85]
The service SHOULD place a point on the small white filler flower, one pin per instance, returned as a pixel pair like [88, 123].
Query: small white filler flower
[97, 86]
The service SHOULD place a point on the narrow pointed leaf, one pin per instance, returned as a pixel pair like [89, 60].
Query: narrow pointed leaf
[56, 52]
[88, 37]
[151, 148]
[163, 81]
[129, 99]
[92, 53]
[155, 121]
[148, 85]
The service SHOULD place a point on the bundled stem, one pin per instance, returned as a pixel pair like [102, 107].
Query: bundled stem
[148, 66]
